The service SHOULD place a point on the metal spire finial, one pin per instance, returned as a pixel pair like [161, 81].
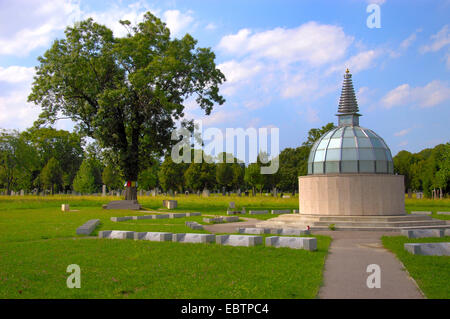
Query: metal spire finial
[347, 102]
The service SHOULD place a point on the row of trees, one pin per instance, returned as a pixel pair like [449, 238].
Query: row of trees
[427, 170]
[57, 160]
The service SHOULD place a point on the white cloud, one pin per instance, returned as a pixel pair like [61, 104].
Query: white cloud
[379, 2]
[211, 26]
[439, 40]
[177, 21]
[16, 74]
[26, 25]
[15, 111]
[432, 94]
[402, 132]
[311, 42]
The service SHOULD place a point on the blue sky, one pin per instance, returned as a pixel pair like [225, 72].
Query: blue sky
[283, 60]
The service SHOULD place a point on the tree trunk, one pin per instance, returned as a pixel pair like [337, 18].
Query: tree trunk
[130, 193]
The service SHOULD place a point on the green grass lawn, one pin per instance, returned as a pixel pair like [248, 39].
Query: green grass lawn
[38, 242]
[432, 273]
[429, 205]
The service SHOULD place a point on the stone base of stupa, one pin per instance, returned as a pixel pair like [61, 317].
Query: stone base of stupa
[352, 202]
[371, 223]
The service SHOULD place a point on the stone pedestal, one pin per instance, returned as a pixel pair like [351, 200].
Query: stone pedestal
[352, 195]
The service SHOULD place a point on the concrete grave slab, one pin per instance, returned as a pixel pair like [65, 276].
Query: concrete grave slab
[153, 236]
[230, 219]
[428, 249]
[258, 212]
[290, 231]
[194, 225]
[193, 214]
[239, 240]
[116, 234]
[65, 208]
[161, 216]
[253, 230]
[88, 227]
[307, 243]
[423, 233]
[443, 213]
[143, 217]
[420, 213]
[277, 212]
[193, 238]
[121, 219]
[213, 220]
[177, 215]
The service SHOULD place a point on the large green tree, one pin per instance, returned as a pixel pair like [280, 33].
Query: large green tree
[51, 175]
[127, 93]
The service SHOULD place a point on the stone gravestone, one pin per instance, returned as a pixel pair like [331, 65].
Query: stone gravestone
[231, 205]
[205, 192]
[104, 190]
[22, 192]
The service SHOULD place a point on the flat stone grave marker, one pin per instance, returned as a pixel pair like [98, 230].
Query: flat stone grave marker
[116, 234]
[230, 219]
[194, 225]
[177, 215]
[153, 236]
[443, 213]
[281, 212]
[231, 205]
[239, 240]
[121, 219]
[65, 208]
[420, 213]
[428, 249]
[307, 243]
[88, 227]
[193, 214]
[143, 217]
[161, 216]
[423, 233]
[123, 204]
[193, 238]
[213, 220]
[253, 230]
[258, 212]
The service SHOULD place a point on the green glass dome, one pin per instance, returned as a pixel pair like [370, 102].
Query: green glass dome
[350, 148]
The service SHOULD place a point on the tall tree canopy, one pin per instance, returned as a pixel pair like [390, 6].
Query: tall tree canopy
[125, 92]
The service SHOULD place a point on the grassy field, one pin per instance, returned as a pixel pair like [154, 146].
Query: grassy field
[38, 242]
[430, 205]
[432, 273]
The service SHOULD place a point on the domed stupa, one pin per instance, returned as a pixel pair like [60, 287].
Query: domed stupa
[351, 181]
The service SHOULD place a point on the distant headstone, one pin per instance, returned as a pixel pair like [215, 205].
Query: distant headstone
[230, 219]
[194, 225]
[22, 192]
[121, 219]
[429, 249]
[205, 193]
[231, 205]
[170, 204]
[295, 211]
[193, 214]
[65, 208]
[103, 190]
[177, 215]
[243, 211]
[286, 196]
[443, 213]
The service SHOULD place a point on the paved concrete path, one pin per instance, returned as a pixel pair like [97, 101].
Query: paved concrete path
[345, 273]
[231, 227]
